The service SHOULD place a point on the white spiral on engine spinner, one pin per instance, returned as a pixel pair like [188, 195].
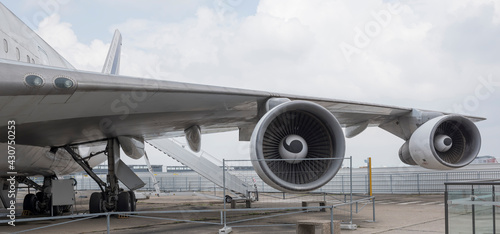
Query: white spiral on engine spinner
[443, 143]
[293, 148]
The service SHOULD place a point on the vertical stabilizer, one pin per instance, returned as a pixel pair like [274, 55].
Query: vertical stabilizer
[112, 64]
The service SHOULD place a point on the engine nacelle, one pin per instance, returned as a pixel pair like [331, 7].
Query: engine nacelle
[443, 143]
[287, 137]
[132, 146]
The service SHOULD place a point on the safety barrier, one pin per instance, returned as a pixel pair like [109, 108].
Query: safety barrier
[402, 180]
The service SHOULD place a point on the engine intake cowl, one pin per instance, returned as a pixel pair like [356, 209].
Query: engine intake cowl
[287, 137]
[445, 142]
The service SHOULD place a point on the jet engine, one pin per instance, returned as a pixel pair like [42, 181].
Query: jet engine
[132, 146]
[286, 141]
[442, 143]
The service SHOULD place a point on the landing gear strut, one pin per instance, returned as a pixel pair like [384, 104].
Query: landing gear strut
[111, 198]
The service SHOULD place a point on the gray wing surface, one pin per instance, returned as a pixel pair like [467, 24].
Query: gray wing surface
[100, 106]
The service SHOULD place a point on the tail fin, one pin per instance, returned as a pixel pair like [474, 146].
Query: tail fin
[112, 64]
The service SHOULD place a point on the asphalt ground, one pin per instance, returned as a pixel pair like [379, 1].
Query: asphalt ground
[393, 214]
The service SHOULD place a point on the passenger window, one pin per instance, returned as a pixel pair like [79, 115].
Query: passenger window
[5, 45]
[18, 54]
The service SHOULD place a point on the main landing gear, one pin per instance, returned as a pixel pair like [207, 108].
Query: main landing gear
[111, 197]
[41, 202]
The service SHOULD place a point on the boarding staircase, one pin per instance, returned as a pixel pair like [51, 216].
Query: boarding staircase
[203, 166]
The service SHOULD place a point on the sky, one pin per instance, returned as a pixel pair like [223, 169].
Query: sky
[432, 55]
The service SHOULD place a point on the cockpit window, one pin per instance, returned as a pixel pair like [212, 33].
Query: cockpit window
[18, 54]
[28, 58]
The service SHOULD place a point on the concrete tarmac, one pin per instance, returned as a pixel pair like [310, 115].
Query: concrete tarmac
[394, 214]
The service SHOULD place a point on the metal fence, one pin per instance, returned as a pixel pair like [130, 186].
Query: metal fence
[394, 180]
[405, 180]
[270, 205]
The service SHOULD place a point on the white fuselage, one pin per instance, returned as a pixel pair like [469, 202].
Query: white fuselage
[20, 43]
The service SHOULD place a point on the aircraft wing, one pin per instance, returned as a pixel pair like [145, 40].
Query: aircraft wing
[99, 106]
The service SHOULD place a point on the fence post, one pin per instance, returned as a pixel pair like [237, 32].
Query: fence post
[107, 222]
[366, 183]
[343, 184]
[418, 183]
[350, 169]
[331, 219]
[224, 187]
[473, 211]
[373, 202]
[446, 230]
[221, 218]
[391, 183]
[161, 184]
[493, 207]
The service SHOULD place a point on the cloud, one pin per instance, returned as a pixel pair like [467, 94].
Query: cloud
[62, 38]
[474, 37]
[413, 54]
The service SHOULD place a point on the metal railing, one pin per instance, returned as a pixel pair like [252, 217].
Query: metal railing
[399, 181]
[472, 206]
[404, 180]
[340, 208]
[155, 215]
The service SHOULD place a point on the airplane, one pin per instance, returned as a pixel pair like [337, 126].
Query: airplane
[59, 120]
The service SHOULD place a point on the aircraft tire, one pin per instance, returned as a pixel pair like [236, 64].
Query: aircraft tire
[124, 202]
[39, 196]
[228, 199]
[95, 203]
[133, 201]
[29, 203]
